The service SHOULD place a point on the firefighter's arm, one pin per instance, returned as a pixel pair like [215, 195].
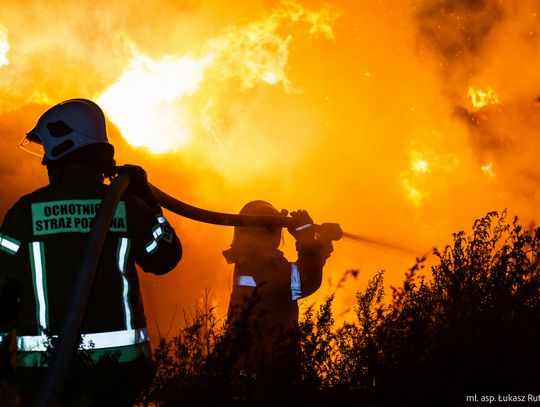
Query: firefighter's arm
[158, 248]
[11, 255]
[312, 254]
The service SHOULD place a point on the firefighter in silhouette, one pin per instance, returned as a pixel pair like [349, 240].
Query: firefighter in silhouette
[263, 309]
[41, 243]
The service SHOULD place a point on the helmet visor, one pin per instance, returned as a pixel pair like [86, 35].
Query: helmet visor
[32, 144]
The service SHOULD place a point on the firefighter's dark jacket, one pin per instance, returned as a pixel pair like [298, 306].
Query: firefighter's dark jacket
[41, 242]
[274, 284]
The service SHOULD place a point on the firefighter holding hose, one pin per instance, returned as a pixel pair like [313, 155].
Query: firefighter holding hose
[41, 243]
[263, 309]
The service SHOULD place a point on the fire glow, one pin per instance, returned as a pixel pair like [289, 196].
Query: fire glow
[4, 47]
[150, 97]
[419, 169]
[145, 103]
[376, 115]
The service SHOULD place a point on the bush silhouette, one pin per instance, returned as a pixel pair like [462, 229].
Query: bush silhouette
[470, 327]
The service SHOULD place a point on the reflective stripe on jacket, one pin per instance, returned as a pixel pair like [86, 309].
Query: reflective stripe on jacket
[296, 283]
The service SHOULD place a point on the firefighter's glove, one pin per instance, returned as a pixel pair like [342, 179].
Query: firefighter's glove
[302, 226]
[139, 185]
[329, 231]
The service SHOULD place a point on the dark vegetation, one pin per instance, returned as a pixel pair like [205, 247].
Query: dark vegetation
[471, 326]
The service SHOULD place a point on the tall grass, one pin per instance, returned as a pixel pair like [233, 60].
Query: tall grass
[472, 328]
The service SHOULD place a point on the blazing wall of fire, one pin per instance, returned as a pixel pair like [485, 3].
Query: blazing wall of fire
[401, 121]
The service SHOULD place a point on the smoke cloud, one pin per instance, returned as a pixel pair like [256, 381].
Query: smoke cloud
[492, 45]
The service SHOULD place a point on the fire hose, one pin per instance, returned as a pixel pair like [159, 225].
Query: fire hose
[332, 231]
[68, 338]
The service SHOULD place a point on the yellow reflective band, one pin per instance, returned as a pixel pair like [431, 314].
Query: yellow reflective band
[98, 340]
[9, 245]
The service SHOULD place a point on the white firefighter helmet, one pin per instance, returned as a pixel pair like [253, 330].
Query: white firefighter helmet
[66, 127]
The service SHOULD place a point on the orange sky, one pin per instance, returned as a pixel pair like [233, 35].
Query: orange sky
[358, 113]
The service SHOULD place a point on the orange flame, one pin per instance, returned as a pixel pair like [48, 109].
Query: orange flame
[144, 103]
[148, 102]
[480, 98]
[419, 167]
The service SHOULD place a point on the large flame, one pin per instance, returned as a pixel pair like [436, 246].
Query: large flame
[145, 103]
[148, 102]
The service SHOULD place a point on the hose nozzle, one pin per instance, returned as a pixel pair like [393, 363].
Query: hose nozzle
[330, 231]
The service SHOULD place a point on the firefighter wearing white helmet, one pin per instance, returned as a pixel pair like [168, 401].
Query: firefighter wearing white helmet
[68, 126]
[41, 243]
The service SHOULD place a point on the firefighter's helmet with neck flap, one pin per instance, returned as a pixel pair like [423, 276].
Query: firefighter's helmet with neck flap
[67, 127]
